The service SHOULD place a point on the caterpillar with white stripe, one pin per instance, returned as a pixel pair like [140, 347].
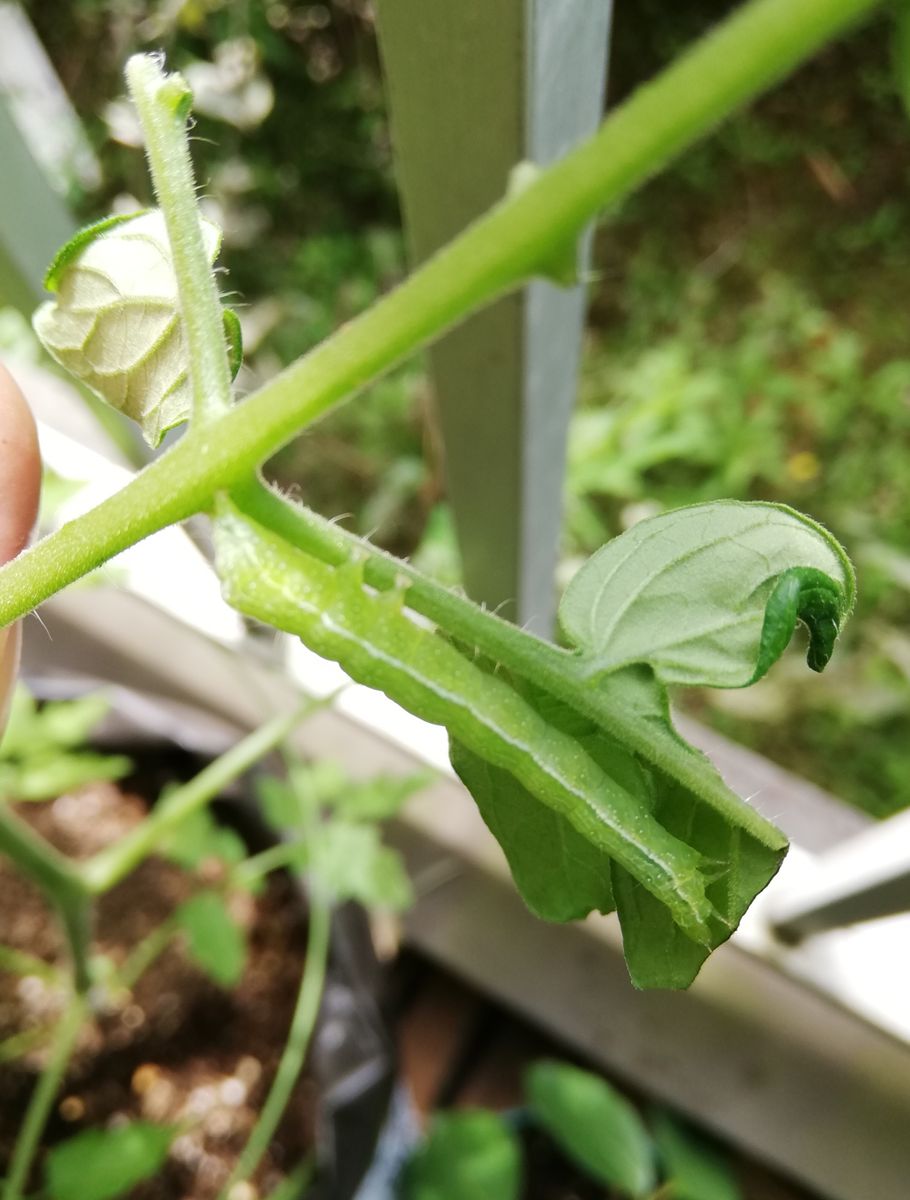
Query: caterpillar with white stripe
[371, 635]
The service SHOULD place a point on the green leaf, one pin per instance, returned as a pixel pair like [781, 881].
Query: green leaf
[101, 1164]
[214, 941]
[381, 797]
[115, 322]
[571, 876]
[742, 852]
[295, 802]
[709, 595]
[561, 875]
[57, 725]
[349, 862]
[593, 1124]
[49, 777]
[199, 837]
[695, 1168]
[467, 1155]
[278, 803]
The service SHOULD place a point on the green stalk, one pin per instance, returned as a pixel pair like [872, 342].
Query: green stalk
[518, 237]
[60, 881]
[162, 102]
[18, 1044]
[42, 1098]
[251, 869]
[110, 865]
[145, 952]
[294, 1054]
[17, 962]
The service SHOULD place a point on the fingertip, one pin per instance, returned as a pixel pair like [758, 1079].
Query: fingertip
[20, 468]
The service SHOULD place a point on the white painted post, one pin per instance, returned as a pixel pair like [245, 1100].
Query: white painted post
[475, 88]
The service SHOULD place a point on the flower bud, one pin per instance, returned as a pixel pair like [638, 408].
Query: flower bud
[115, 322]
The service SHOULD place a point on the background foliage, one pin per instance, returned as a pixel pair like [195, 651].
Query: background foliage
[746, 336]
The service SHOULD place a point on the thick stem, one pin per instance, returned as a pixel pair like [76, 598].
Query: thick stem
[60, 881]
[292, 1059]
[751, 50]
[110, 865]
[42, 1098]
[162, 102]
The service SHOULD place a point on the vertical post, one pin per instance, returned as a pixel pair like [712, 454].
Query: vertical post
[33, 219]
[474, 89]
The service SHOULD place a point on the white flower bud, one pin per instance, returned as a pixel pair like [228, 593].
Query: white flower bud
[115, 321]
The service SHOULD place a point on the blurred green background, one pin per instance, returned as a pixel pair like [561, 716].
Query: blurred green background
[747, 333]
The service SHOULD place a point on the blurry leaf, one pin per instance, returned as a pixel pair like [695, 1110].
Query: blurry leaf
[900, 46]
[20, 733]
[68, 723]
[57, 725]
[694, 1167]
[317, 783]
[709, 595]
[55, 492]
[381, 797]
[595, 1126]
[278, 803]
[199, 837]
[101, 1164]
[349, 862]
[466, 1156]
[37, 779]
[214, 941]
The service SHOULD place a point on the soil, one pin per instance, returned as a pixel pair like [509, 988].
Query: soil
[176, 1048]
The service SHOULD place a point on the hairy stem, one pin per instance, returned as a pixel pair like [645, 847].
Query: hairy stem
[110, 865]
[60, 881]
[292, 1059]
[162, 102]
[746, 54]
[42, 1098]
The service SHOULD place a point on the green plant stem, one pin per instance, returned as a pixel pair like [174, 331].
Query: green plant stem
[145, 952]
[42, 1098]
[20, 1043]
[746, 54]
[110, 865]
[17, 962]
[60, 881]
[273, 859]
[295, 1050]
[162, 102]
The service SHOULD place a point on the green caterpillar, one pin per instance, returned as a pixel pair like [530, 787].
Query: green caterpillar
[378, 644]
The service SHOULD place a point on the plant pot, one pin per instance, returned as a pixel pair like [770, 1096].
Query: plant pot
[351, 1066]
